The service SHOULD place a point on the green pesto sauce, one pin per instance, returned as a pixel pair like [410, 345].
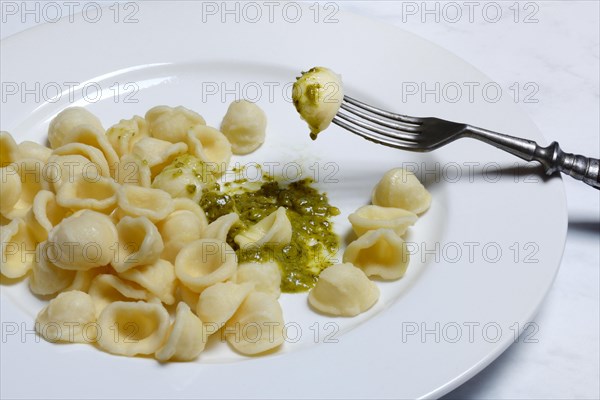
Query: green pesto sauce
[313, 239]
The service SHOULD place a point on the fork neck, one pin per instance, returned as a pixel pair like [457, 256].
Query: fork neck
[522, 148]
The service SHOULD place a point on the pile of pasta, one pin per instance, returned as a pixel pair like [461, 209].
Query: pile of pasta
[106, 225]
[379, 250]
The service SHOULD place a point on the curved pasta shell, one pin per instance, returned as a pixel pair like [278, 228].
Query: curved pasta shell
[17, 249]
[131, 328]
[107, 288]
[11, 189]
[89, 135]
[60, 169]
[46, 278]
[275, 228]
[157, 278]
[188, 296]
[186, 337]
[400, 188]
[220, 227]
[370, 218]
[62, 126]
[45, 214]
[99, 194]
[218, 303]
[83, 241]
[178, 229]
[28, 149]
[343, 289]
[379, 253]
[157, 154]
[266, 277]
[94, 166]
[140, 243]
[257, 326]
[68, 318]
[172, 123]
[210, 146]
[136, 201]
[244, 125]
[204, 262]
[126, 133]
[132, 170]
[9, 151]
[31, 174]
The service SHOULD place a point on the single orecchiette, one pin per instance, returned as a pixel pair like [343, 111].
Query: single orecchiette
[343, 289]
[31, 175]
[136, 201]
[266, 277]
[210, 146]
[178, 229]
[220, 227]
[218, 303]
[127, 132]
[157, 154]
[98, 194]
[94, 166]
[369, 218]
[140, 243]
[244, 125]
[17, 249]
[107, 288]
[275, 228]
[69, 317]
[9, 151]
[133, 170]
[11, 189]
[186, 337]
[28, 149]
[157, 278]
[172, 123]
[183, 178]
[133, 328]
[45, 214]
[381, 253]
[257, 326]
[84, 134]
[83, 241]
[204, 262]
[400, 188]
[62, 126]
[46, 278]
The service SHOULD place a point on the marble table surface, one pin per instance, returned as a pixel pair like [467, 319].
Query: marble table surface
[555, 46]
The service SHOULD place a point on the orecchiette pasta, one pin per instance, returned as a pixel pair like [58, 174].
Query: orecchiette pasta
[178, 229]
[343, 289]
[188, 205]
[401, 188]
[140, 243]
[139, 328]
[85, 134]
[266, 277]
[133, 170]
[83, 241]
[218, 303]
[220, 227]
[369, 218]
[186, 337]
[98, 194]
[157, 278]
[63, 125]
[210, 146]
[183, 178]
[123, 135]
[32, 181]
[46, 278]
[45, 214]
[204, 262]
[9, 151]
[61, 169]
[379, 253]
[95, 164]
[188, 296]
[69, 317]
[244, 125]
[157, 153]
[17, 249]
[34, 150]
[257, 326]
[136, 201]
[275, 228]
[107, 288]
[172, 124]
[11, 189]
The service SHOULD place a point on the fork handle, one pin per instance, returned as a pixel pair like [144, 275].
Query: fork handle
[552, 157]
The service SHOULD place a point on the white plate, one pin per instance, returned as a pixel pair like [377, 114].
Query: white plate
[485, 255]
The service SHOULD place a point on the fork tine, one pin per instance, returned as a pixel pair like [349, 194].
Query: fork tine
[373, 137]
[398, 117]
[391, 133]
[387, 122]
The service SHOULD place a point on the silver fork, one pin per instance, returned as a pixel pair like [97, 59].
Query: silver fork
[426, 134]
